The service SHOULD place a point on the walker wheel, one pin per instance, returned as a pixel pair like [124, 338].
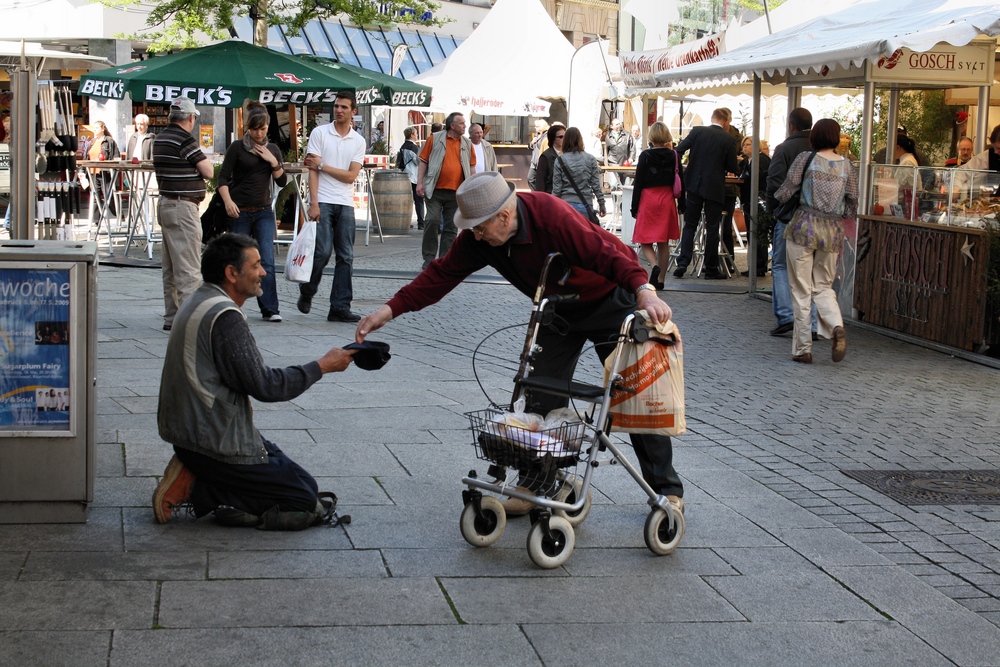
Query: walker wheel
[485, 528]
[570, 493]
[661, 537]
[554, 549]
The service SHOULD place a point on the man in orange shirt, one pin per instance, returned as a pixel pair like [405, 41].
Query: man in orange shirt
[445, 162]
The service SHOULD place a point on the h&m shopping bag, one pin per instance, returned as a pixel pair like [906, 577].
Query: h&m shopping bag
[299, 266]
[653, 374]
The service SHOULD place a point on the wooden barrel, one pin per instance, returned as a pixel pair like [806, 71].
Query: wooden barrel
[393, 200]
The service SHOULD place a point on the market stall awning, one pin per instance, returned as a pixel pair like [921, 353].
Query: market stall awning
[227, 73]
[864, 31]
[514, 58]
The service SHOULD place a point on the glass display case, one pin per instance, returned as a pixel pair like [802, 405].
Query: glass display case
[939, 195]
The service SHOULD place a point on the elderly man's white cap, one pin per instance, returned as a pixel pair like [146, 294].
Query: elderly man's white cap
[481, 197]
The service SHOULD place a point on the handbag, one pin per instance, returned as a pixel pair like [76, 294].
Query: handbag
[678, 187]
[214, 221]
[591, 215]
[298, 268]
[785, 210]
[649, 398]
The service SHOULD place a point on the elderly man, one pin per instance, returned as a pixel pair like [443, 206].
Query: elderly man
[335, 155]
[620, 146]
[446, 161]
[514, 232]
[486, 159]
[212, 368]
[713, 155]
[181, 169]
[140, 144]
[966, 149]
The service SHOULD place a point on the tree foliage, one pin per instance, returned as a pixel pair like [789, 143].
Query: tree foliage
[174, 24]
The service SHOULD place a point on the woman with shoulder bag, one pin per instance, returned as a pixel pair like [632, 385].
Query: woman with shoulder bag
[245, 180]
[657, 198]
[103, 148]
[815, 237]
[576, 178]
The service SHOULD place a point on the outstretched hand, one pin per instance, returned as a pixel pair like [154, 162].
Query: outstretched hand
[335, 360]
[372, 322]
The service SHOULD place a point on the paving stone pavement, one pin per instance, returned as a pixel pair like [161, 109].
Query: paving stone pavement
[786, 561]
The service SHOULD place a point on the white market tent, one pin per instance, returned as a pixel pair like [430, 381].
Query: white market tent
[516, 56]
[863, 30]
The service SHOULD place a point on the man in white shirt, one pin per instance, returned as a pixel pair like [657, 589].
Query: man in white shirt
[334, 157]
[486, 159]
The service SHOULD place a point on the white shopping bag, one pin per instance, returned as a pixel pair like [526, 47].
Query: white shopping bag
[653, 377]
[298, 268]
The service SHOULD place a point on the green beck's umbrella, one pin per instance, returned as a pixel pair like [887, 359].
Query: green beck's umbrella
[227, 73]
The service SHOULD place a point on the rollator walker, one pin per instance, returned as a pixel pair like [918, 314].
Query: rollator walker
[560, 460]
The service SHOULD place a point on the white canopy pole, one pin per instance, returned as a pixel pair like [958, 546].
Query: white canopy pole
[754, 188]
[983, 120]
[867, 126]
[891, 126]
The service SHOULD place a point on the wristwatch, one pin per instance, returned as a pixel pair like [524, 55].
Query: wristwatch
[643, 288]
[320, 168]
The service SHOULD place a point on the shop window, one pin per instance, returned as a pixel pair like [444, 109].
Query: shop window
[380, 47]
[276, 41]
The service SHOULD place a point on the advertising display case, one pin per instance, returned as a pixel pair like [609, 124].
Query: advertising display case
[48, 322]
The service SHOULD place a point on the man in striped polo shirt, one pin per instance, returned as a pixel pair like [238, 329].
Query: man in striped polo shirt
[181, 169]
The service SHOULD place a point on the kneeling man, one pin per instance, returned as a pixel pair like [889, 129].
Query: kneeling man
[222, 464]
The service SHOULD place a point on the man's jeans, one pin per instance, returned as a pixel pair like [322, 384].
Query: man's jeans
[781, 294]
[261, 226]
[334, 236]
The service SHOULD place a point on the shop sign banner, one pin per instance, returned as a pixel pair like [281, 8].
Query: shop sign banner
[639, 68]
[34, 348]
[943, 65]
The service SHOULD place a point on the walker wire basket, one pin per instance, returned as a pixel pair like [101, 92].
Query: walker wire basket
[523, 449]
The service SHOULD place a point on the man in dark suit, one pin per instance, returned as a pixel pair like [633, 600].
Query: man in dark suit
[713, 154]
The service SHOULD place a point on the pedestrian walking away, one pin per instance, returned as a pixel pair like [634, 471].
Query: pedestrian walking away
[334, 156]
[514, 232]
[406, 161]
[655, 206]
[799, 124]
[249, 168]
[212, 368]
[181, 169]
[815, 236]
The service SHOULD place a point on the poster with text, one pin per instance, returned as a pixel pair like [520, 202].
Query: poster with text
[34, 348]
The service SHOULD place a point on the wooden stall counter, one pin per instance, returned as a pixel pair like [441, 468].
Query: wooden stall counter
[923, 279]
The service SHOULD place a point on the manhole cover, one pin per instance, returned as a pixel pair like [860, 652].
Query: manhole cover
[933, 487]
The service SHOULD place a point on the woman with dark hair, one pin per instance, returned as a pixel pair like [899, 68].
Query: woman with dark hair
[103, 148]
[654, 206]
[576, 167]
[906, 151]
[245, 180]
[815, 236]
[544, 170]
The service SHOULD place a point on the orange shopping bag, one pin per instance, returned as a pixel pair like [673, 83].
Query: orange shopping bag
[653, 374]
